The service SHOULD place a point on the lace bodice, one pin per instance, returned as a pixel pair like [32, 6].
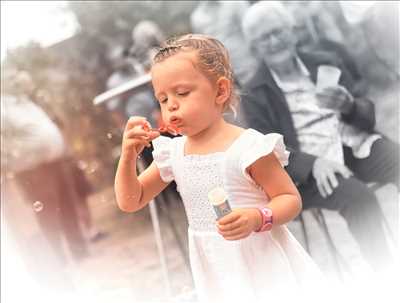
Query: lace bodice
[196, 175]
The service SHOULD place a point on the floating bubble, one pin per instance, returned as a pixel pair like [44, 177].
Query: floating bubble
[82, 165]
[93, 167]
[37, 206]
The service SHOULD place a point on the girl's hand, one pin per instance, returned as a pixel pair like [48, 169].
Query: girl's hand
[136, 137]
[239, 224]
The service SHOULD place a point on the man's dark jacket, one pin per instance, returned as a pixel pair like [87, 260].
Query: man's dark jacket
[266, 109]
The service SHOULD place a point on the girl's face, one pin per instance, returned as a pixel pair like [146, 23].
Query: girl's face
[188, 99]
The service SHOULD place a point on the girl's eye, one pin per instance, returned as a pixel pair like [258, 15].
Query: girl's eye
[183, 93]
[163, 101]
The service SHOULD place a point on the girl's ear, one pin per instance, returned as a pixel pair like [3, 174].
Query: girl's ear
[223, 90]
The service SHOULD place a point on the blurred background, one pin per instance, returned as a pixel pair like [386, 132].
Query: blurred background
[72, 72]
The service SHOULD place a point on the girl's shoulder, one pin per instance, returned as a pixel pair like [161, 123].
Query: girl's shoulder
[252, 145]
[251, 140]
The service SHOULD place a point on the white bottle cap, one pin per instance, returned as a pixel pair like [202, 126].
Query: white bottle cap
[217, 196]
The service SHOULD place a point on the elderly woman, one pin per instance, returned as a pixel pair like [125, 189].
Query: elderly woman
[334, 150]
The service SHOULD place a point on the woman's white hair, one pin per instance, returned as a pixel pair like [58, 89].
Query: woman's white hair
[258, 13]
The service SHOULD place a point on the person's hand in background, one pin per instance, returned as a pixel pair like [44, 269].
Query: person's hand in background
[324, 172]
[336, 98]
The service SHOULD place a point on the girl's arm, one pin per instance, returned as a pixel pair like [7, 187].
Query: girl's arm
[133, 193]
[284, 200]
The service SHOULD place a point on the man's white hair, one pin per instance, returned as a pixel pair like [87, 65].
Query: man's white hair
[258, 13]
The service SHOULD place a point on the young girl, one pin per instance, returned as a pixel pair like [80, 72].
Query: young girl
[248, 254]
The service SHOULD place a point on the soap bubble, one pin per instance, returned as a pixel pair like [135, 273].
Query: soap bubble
[82, 165]
[37, 206]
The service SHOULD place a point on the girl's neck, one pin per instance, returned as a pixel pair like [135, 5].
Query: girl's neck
[204, 136]
[212, 139]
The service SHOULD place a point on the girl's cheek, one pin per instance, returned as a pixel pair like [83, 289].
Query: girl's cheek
[164, 116]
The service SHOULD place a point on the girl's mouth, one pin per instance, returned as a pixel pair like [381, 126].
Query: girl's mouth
[175, 120]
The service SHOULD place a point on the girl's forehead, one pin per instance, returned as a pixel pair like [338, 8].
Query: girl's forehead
[180, 60]
[179, 66]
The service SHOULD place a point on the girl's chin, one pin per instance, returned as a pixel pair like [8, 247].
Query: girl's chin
[187, 132]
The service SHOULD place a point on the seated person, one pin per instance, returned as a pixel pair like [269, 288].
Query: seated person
[330, 167]
[312, 46]
[146, 36]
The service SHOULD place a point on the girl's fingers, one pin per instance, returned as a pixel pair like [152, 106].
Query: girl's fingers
[139, 132]
[154, 134]
[135, 132]
[137, 142]
[231, 217]
[229, 226]
[135, 121]
[236, 237]
[233, 233]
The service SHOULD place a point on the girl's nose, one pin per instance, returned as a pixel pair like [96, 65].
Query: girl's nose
[172, 106]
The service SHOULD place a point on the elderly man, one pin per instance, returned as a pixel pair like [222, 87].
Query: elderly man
[311, 44]
[329, 132]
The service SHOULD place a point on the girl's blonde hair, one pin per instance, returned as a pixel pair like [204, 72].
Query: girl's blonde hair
[213, 60]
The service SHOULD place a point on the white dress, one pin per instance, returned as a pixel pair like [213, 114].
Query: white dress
[260, 267]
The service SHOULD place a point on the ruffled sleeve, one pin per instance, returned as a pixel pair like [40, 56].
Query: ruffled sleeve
[260, 145]
[162, 155]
